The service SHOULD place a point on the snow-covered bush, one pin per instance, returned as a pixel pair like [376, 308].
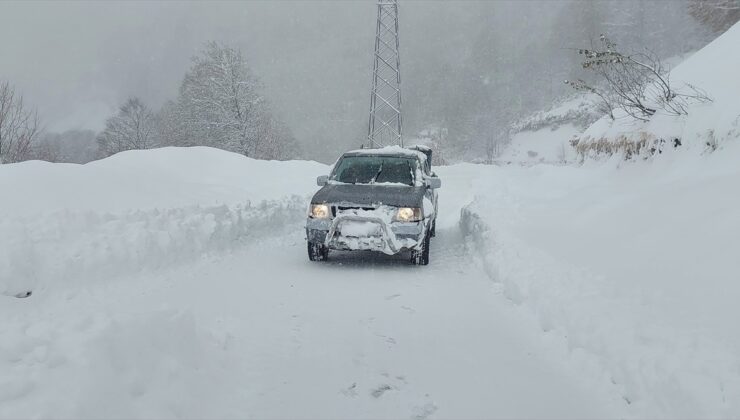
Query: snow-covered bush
[638, 83]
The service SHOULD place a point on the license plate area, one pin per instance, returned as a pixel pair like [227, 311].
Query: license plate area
[360, 229]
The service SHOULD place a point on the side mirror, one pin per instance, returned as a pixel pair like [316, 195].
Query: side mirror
[433, 183]
[322, 180]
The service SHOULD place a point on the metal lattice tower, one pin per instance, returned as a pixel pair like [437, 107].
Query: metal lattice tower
[384, 128]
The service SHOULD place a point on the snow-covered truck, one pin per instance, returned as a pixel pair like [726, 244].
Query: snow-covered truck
[375, 200]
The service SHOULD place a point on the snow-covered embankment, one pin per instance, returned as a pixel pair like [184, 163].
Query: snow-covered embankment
[70, 224]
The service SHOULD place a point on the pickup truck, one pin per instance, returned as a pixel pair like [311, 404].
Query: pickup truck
[381, 200]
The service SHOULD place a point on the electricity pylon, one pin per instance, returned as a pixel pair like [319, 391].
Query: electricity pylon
[384, 127]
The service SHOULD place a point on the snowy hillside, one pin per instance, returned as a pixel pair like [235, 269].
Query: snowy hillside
[629, 270]
[544, 137]
[713, 69]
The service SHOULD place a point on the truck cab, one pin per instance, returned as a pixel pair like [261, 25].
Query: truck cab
[382, 200]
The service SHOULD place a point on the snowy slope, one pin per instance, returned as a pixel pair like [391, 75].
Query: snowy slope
[713, 69]
[630, 270]
[544, 137]
[546, 145]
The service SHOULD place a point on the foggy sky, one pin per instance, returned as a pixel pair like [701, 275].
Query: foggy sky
[78, 61]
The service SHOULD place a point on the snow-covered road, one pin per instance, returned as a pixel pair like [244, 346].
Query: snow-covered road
[378, 338]
[261, 332]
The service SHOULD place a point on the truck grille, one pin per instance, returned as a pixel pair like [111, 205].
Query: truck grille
[336, 209]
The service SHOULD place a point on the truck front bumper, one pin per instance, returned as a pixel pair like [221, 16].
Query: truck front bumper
[379, 235]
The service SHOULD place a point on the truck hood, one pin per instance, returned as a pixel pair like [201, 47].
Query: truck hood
[370, 195]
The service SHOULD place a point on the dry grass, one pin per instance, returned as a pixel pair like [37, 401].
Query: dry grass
[630, 147]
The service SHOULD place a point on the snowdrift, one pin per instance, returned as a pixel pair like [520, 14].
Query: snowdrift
[630, 270]
[88, 238]
[163, 178]
[714, 69]
[70, 224]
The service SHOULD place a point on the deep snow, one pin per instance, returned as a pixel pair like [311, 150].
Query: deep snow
[215, 311]
[161, 179]
[604, 290]
[632, 266]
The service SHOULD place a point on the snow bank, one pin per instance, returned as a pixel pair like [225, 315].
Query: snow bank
[80, 237]
[632, 269]
[164, 178]
[713, 69]
[70, 224]
[65, 249]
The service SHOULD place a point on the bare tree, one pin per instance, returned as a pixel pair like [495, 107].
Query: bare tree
[48, 147]
[275, 140]
[132, 128]
[19, 126]
[606, 101]
[718, 15]
[638, 82]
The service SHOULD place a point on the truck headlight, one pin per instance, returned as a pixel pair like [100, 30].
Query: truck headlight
[408, 214]
[319, 211]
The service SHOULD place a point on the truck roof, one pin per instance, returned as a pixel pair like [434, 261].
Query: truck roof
[388, 151]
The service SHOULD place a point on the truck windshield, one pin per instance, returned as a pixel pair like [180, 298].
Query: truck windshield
[375, 170]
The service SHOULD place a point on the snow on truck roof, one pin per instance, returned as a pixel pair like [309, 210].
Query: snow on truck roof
[388, 151]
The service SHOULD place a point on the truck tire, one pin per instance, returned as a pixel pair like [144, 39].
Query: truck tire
[421, 256]
[317, 252]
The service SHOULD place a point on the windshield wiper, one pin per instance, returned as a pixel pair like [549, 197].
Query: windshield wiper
[372, 181]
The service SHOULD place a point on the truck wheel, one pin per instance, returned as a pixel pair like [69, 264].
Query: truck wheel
[317, 252]
[421, 256]
[433, 232]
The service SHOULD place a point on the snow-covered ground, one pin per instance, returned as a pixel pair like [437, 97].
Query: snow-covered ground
[545, 145]
[164, 305]
[631, 267]
[606, 290]
[174, 283]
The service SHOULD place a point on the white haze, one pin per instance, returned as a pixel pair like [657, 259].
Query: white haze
[78, 61]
